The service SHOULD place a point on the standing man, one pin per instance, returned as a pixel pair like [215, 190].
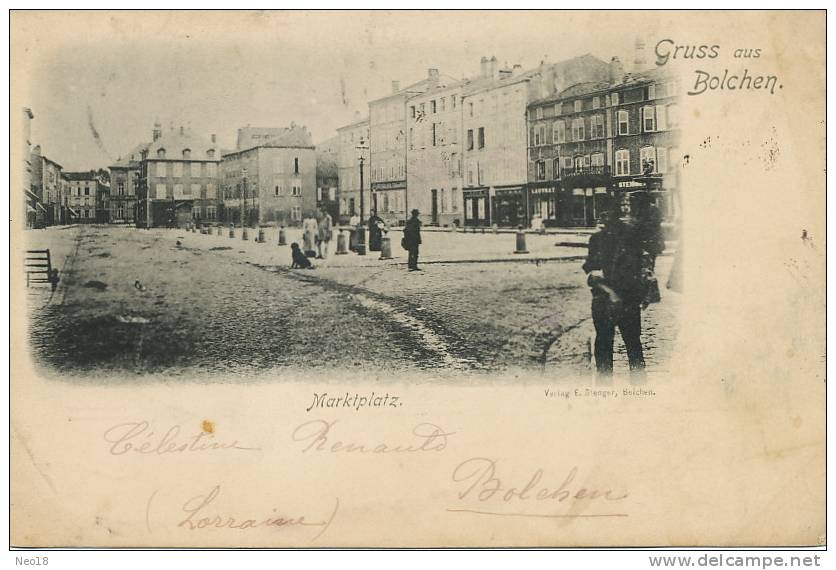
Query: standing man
[614, 269]
[412, 239]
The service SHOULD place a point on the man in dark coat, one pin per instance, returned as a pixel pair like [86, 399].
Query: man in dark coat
[412, 239]
[375, 233]
[614, 267]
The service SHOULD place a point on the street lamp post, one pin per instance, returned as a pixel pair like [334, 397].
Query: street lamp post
[361, 231]
[244, 205]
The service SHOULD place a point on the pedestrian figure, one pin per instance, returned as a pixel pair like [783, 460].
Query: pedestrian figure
[309, 233]
[376, 226]
[354, 222]
[300, 260]
[412, 240]
[325, 233]
[614, 267]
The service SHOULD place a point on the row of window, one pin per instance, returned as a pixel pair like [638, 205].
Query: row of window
[184, 191]
[186, 153]
[654, 118]
[392, 171]
[649, 93]
[651, 159]
[480, 139]
[435, 106]
[176, 169]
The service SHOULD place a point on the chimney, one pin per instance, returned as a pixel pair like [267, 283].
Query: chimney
[640, 62]
[432, 74]
[483, 67]
[158, 130]
[616, 70]
[396, 86]
[493, 68]
[214, 138]
[181, 129]
[36, 149]
[517, 70]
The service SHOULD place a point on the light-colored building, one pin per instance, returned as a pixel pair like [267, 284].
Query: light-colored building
[273, 182]
[87, 198]
[494, 133]
[352, 139]
[434, 153]
[178, 179]
[327, 177]
[124, 181]
[387, 148]
[34, 209]
[48, 186]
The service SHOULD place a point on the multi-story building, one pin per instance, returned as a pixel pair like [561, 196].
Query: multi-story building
[494, 140]
[595, 138]
[353, 141]
[387, 149]
[272, 182]
[327, 177]
[434, 153]
[48, 187]
[87, 197]
[124, 181]
[34, 209]
[178, 179]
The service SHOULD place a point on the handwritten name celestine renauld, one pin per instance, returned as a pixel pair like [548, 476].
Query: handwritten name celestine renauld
[668, 50]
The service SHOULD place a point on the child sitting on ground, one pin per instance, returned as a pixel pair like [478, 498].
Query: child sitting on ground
[300, 261]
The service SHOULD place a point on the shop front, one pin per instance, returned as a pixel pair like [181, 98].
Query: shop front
[542, 200]
[477, 210]
[581, 207]
[510, 207]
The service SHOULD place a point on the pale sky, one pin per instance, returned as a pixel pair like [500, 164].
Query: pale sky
[116, 73]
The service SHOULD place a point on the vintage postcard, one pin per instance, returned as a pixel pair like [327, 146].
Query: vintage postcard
[417, 278]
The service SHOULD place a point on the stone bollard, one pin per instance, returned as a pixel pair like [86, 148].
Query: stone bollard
[341, 248]
[244, 234]
[231, 230]
[194, 229]
[260, 235]
[454, 228]
[521, 242]
[282, 236]
[495, 228]
[385, 247]
[218, 229]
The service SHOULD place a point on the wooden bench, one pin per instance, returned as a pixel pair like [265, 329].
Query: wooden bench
[39, 268]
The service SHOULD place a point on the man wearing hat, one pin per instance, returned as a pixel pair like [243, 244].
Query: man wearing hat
[412, 239]
[614, 269]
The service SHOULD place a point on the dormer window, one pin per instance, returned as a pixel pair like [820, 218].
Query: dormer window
[210, 153]
[187, 153]
[161, 153]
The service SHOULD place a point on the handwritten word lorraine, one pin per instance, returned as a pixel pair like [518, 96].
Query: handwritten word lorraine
[316, 435]
[200, 516]
[355, 401]
[479, 480]
[140, 437]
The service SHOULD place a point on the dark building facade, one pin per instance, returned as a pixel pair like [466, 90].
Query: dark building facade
[596, 140]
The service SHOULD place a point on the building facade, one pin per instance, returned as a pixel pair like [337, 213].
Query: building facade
[388, 149]
[327, 177]
[87, 198]
[272, 183]
[495, 134]
[434, 153]
[48, 188]
[124, 182]
[596, 139]
[178, 180]
[353, 141]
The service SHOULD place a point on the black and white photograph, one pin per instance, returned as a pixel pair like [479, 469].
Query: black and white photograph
[402, 279]
[234, 209]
